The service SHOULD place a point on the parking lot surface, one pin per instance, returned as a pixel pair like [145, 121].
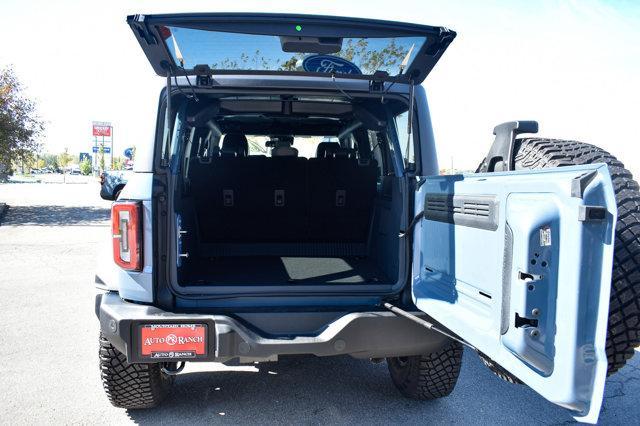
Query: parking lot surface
[48, 344]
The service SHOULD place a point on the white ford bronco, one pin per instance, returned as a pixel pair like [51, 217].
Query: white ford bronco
[290, 203]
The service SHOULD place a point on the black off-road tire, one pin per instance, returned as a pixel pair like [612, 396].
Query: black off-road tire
[131, 386]
[624, 304]
[428, 376]
[498, 370]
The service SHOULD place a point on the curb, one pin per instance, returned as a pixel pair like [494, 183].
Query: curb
[3, 209]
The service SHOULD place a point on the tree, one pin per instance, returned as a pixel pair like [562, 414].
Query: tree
[118, 163]
[369, 57]
[290, 64]
[65, 158]
[20, 125]
[370, 60]
[51, 161]
[85, 167]
[101, 157]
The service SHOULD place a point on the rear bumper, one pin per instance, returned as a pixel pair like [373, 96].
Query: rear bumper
[359, 334]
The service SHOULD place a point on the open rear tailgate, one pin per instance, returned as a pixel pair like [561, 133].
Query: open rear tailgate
[229, 43]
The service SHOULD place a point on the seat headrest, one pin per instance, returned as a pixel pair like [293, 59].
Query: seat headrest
[235, 144]
[327, 149]
[283, 149]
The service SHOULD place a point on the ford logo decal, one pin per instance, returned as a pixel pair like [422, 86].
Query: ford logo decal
[329, 64]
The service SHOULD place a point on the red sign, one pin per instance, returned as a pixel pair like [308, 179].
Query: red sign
[173, 340]
[99, 130]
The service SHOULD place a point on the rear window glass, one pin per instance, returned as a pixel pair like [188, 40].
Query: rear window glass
[306, 145]
[234, 51]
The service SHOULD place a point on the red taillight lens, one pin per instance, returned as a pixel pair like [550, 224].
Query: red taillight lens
[126, 229]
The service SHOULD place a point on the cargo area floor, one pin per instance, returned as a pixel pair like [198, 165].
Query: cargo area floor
[276, 270]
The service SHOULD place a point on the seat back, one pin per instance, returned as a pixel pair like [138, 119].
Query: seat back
[221, 187]
[283, 199]
[283, 149]
[341, 195]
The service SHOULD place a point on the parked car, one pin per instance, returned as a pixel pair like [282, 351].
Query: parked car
[363, 249]
[112, 183]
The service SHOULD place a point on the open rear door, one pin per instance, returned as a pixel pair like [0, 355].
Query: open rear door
[518, 264]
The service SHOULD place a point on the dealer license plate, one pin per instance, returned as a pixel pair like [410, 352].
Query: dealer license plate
[168, 341]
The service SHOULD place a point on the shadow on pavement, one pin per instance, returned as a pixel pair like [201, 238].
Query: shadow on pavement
[343, 390]
[308, 389]
[54, 215]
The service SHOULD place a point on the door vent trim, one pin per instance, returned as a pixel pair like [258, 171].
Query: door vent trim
[474, 211]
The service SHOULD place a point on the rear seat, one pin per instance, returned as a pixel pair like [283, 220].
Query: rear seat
[247, 199]
[221, 186]
[341, 194]
[282, 204]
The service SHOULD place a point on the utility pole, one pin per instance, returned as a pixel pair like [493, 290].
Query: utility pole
[113, 150]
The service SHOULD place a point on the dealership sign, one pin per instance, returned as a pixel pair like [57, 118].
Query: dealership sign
[101, 128]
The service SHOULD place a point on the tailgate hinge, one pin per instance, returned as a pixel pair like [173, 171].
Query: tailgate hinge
[203, 75]
[143, 30]
[376, 84]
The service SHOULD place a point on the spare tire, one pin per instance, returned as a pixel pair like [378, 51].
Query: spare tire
[624, 305]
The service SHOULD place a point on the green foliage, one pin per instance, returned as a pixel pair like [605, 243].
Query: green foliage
[85, 167]
[357, 51]
[65, 158]
[101, 156]
[51, 161]
[290, 64]
[370, 60]
[118, 163]
[20, 125]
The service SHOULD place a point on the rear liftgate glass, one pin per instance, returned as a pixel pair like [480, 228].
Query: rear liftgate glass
[227, 43]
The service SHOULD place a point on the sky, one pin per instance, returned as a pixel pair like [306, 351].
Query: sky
[573, 66]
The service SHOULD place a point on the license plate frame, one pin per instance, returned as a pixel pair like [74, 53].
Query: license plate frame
[172, 341]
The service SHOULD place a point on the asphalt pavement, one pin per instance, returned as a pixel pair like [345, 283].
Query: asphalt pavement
[49, 343]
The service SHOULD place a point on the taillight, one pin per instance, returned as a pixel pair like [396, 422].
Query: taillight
[126, 229]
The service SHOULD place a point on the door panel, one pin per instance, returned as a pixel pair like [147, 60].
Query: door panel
[519, 265]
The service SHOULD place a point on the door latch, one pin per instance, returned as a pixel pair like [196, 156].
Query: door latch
[179, 234]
